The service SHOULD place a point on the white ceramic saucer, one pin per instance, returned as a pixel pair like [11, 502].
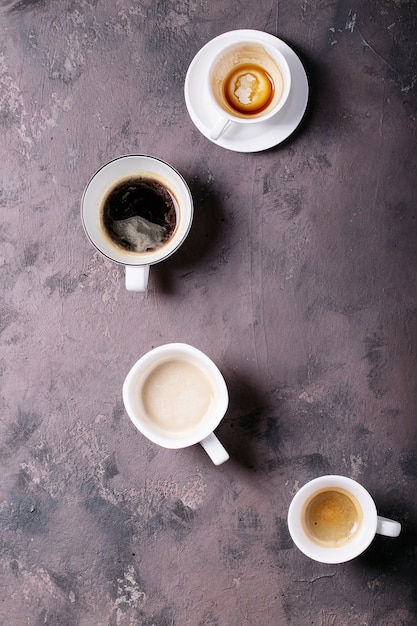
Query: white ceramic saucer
[249, 137]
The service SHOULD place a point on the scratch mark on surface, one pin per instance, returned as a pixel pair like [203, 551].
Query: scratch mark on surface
[380, 133]
[313, 580]
[368, 45]
[351, 21]
[410, 85]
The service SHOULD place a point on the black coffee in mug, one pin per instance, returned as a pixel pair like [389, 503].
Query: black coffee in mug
[139, 214]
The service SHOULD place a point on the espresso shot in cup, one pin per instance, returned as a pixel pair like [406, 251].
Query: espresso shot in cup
[248, 82]
[137, 210]
[333, 519]
[176, 397]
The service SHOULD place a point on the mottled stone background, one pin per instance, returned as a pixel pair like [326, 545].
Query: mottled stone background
[299, 279]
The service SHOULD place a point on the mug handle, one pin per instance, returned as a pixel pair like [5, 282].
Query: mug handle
[387, 527]
[137, 277]
[219, 128]
[214, 449]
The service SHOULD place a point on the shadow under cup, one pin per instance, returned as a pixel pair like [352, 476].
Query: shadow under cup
[101, 185]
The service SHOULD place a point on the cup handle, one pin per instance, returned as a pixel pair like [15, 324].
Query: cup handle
[214, 449]
[219, 128]
[137, 277]
[387, 527]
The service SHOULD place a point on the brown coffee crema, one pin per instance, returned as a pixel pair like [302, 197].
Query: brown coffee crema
[139, 214]
[332, 517]
[246, 81]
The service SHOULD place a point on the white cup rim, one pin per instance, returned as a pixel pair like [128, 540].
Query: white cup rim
[359, 542]
[101, 182]
[153, 434]
[249, 36]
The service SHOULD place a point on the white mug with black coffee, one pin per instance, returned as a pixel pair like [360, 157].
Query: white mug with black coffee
[137, 210]
[176, 396]
[248, 82]
[333, 519]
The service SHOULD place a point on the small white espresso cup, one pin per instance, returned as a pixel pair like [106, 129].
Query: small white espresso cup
[176, 396]
[333, 519]
[170, 187]
[248, 82]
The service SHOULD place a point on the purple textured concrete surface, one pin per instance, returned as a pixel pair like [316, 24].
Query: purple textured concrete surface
[298, 279]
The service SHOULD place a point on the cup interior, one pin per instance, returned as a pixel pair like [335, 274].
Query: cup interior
[249, 80]
[106, 178]
[175, 395]
[309, 540]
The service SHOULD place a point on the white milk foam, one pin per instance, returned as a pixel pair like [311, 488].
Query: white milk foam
[141, 234]
[176, 395]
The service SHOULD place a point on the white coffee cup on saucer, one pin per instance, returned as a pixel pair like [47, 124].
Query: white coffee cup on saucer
[333, 519]
[176, 396]
[248, 82]
[137, 210]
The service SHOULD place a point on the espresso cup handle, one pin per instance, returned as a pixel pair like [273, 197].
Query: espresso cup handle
[219, 128]
[137, 277]
[387, 527]
[214, 449]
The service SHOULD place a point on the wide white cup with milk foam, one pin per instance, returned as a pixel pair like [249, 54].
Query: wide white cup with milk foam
[253, 64]
[176, 396]
[136, 264]
[313, 511]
